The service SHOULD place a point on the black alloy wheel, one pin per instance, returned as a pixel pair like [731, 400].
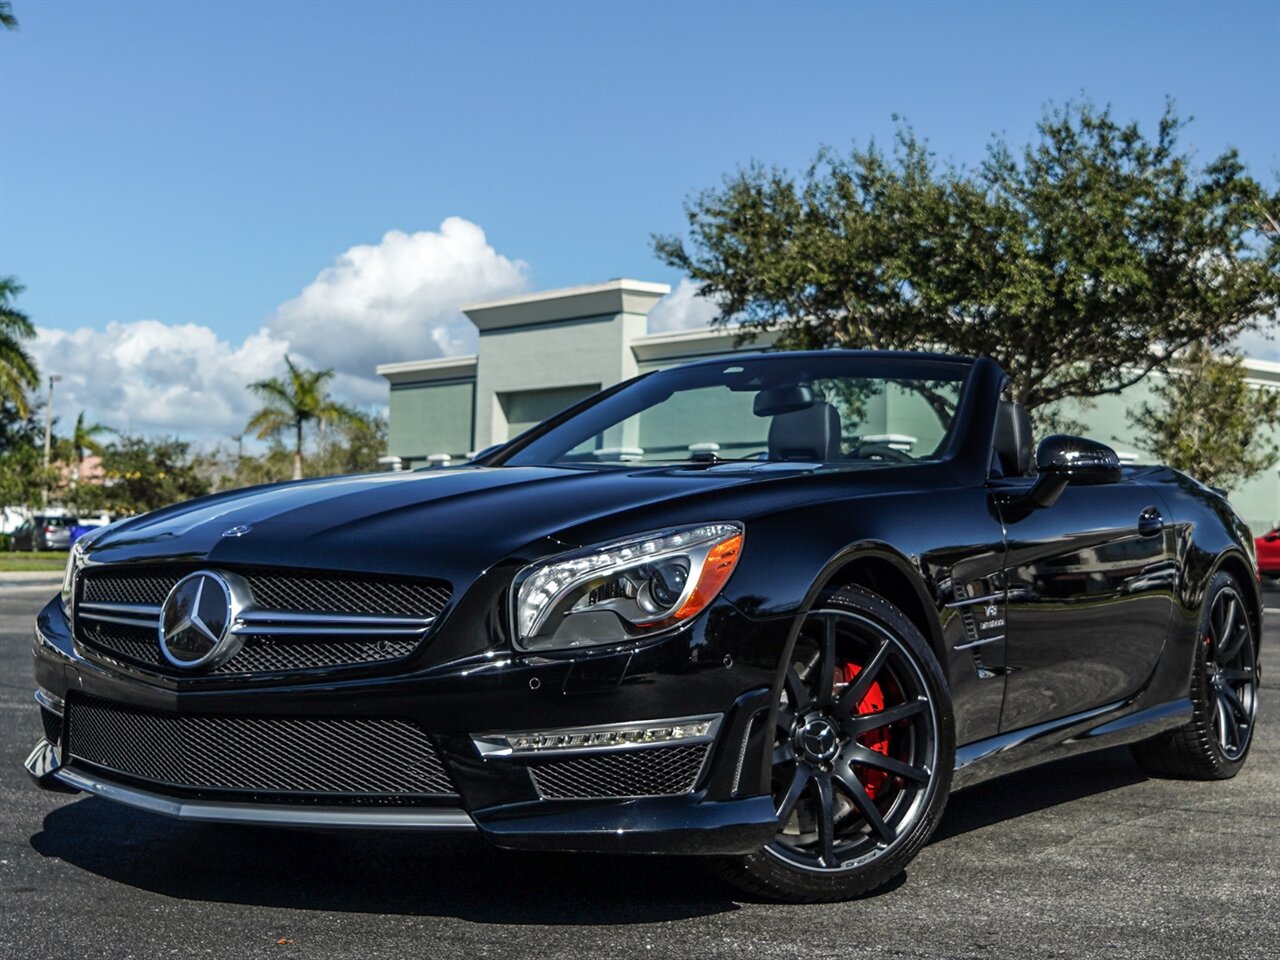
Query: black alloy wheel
[862, 757]
[1224, 695]
[1231, 666]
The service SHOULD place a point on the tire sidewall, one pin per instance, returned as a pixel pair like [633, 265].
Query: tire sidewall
[1201, 695]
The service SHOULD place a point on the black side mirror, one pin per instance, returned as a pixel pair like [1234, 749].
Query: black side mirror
[1077, 459]
[1062, 459]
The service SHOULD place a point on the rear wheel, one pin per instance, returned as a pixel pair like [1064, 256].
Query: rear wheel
[1224, 692]
[863, 753]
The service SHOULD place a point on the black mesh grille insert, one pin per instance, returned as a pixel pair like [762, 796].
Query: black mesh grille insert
[302, 757]
[52, 724]
[650, 772]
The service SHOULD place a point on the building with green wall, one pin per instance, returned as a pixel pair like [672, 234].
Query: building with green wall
[540, 352]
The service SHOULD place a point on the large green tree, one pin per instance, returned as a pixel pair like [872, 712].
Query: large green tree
[144, 474]
[1209, 421]
[1080, 262]
[290, 402]
[23, 477]
[17, 370]
[354, 446]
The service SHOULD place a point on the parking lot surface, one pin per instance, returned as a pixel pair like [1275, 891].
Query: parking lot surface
[1083, 858]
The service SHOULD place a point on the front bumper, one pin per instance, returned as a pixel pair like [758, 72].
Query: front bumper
[717, 666]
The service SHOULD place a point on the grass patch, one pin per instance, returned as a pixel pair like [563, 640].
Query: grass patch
[50, 560]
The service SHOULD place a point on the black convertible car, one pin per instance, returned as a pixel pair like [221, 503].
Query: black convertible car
[772, 608]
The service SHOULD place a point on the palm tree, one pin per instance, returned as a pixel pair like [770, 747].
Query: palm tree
[84, 442]
[7, 19]
[17, 369]
[290, 402]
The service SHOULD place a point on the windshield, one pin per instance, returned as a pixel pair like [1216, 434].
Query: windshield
[827, 409]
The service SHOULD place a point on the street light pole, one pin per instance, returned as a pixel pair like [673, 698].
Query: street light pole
[48, 437]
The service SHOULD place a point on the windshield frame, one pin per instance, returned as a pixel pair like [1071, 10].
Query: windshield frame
[949, 447]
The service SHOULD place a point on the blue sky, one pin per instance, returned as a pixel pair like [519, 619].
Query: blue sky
[182, 173]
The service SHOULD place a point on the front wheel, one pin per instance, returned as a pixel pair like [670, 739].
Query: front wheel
[864, 748]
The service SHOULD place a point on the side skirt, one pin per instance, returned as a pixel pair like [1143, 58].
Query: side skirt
[1107, 726]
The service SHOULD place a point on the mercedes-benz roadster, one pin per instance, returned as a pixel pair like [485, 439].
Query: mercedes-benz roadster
[772, 608]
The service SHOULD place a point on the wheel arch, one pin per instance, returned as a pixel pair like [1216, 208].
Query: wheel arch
[875, 566]
[1234, 562]
[878, 567]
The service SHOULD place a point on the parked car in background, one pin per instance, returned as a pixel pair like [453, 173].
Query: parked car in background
[1267, 548]
[11, 518]
[43, 531]
[82, 525]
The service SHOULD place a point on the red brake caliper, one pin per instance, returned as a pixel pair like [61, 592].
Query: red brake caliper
[878, 739]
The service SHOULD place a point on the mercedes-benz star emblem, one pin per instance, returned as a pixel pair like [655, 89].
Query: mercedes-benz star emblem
[239, 530]
[819, 740]
[196, 620]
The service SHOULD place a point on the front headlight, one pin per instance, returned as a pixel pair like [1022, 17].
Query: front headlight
[625, 589]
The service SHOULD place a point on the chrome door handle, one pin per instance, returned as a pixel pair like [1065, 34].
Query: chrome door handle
[1150, 522]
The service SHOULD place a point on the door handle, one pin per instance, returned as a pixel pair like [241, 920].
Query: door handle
[1150, 522]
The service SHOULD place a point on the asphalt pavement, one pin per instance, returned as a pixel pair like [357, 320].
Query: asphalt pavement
[1084, 858]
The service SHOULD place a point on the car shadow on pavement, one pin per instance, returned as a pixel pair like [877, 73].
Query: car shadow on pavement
[462, 876]
[372, 872]
[1039, 788]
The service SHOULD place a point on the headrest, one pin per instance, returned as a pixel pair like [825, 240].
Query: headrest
[1013, 439]
[809, 434]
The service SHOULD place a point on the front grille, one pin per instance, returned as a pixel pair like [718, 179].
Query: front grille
[648, 772]
[290, 758]
[303, 592]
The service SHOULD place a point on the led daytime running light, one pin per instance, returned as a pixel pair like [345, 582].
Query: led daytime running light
[612, 737]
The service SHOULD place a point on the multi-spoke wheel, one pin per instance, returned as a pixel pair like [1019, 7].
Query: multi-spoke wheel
[862, 757]
[1224, 692]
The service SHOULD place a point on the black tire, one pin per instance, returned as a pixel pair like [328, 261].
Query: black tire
[1215, 743]
[904, 773]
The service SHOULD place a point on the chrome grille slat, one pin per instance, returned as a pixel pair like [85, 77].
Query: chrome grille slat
[311, 757]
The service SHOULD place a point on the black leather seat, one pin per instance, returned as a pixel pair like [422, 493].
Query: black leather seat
[1012, 442]
[809, 434]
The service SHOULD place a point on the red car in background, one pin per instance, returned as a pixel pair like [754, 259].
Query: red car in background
[1268, 550]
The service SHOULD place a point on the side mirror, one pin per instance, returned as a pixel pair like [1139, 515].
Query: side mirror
[1271, 537]
[1077, 459]
[1060, 460]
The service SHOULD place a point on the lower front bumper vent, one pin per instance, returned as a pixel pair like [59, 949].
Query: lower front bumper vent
[329, 759]
[648, 772]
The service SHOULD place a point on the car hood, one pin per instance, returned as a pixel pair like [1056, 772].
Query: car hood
[452, 523]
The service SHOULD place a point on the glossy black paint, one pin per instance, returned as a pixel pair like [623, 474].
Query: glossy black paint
[1060, 627]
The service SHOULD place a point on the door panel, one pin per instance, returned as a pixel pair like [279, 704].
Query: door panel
[1090, 585]
[969, 579]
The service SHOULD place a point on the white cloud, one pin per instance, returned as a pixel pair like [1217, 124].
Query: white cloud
[398, 299]
[682, 309]
[152, 377]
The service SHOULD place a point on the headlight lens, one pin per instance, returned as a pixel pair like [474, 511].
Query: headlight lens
[626, 589]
